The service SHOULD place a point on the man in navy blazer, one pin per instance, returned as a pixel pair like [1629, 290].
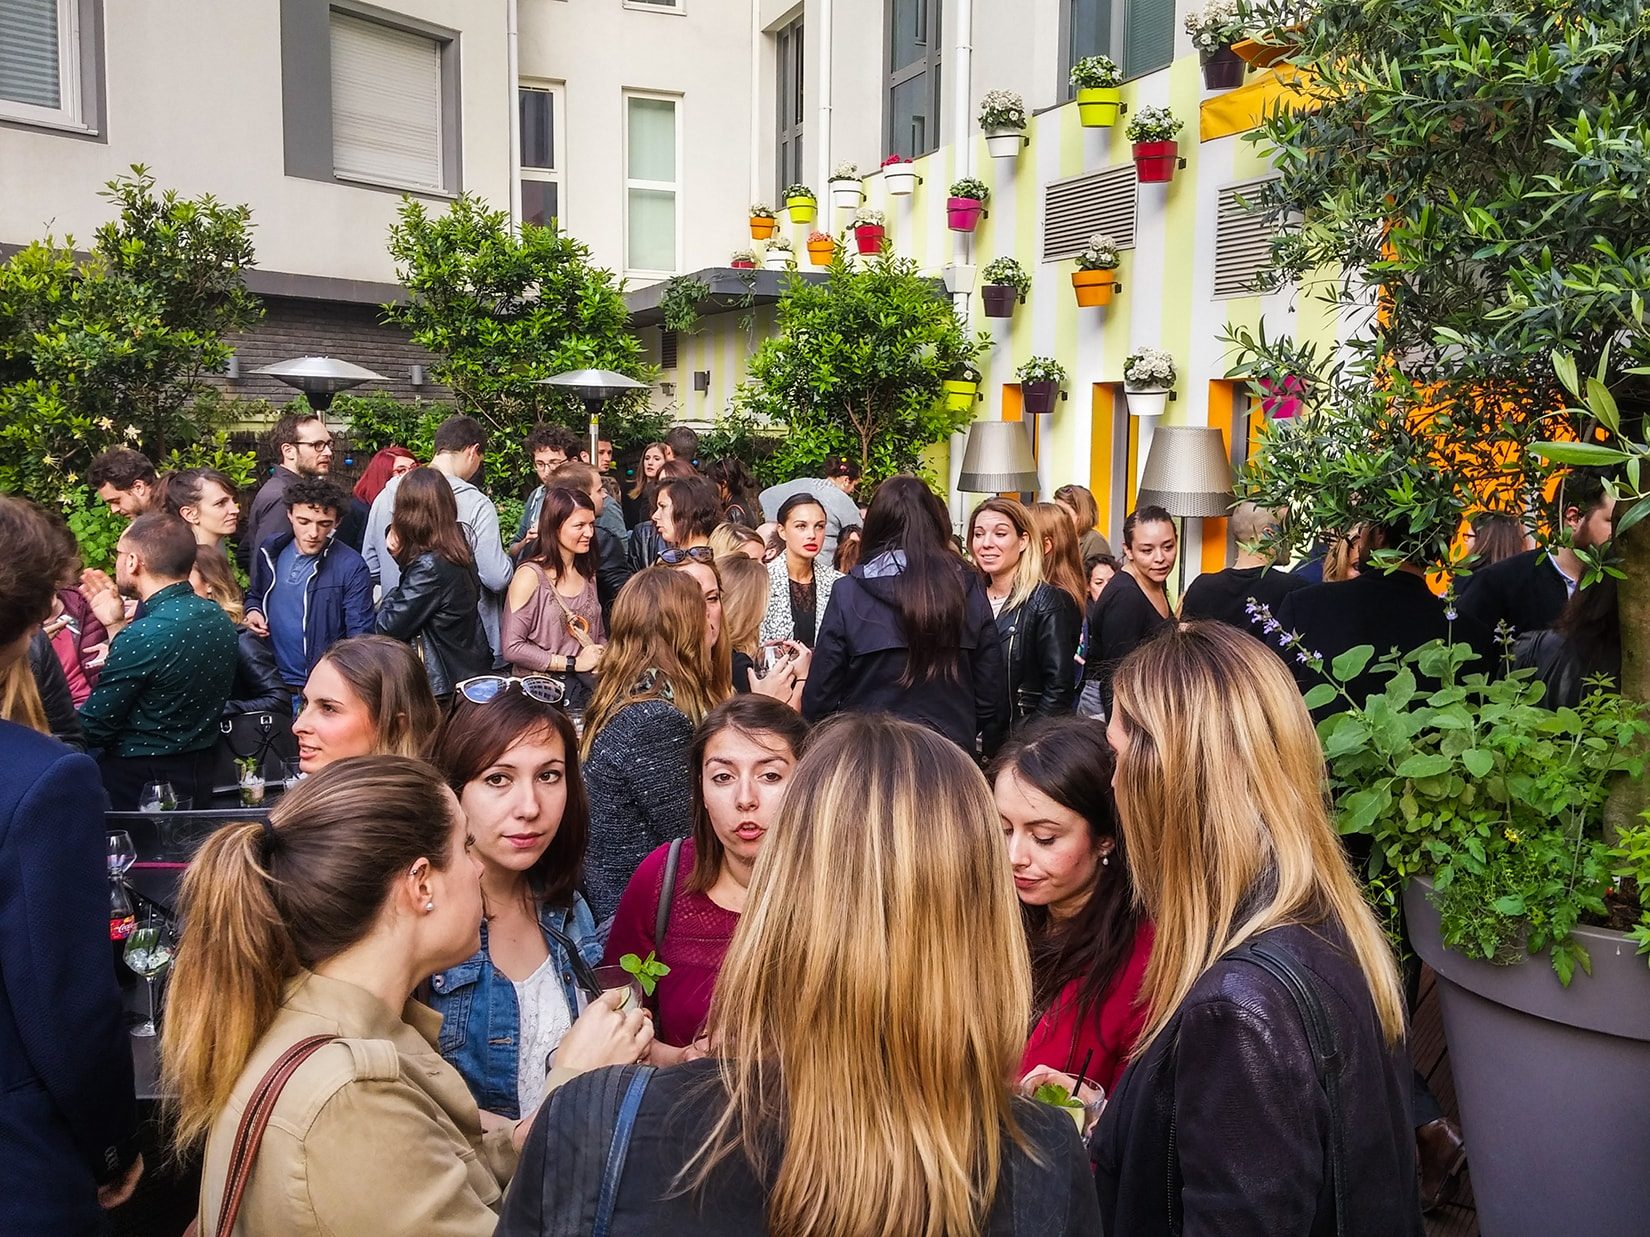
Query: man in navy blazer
[68, 1120]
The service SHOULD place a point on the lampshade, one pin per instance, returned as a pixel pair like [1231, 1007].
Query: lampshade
[1188, 472]
[594, 383]
[320, 374]
[997, 459]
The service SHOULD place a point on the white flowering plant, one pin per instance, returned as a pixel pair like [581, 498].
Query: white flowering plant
[1096, 73]
[1149, 368]
[1002, 109]
[1218, 24]
[970, 187]
[1100, 254]
[799, 191]
[869, 217]
[743, 255]
[1041, 369]
[847, 170]
[1006, 273]
[1154, 124]
[761, 210]
[781, 242]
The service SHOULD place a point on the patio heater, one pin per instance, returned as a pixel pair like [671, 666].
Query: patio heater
[1189, 474]
[595, 387]
[997, 459]
[320, 378]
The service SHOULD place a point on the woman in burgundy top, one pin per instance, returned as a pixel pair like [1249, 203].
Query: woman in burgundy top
[744, 752]
[1089, 946]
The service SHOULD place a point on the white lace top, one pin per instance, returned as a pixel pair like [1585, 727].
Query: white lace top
[545, 1018]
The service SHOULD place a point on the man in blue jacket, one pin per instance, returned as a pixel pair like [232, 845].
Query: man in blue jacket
[309, 590]
[68, 1121]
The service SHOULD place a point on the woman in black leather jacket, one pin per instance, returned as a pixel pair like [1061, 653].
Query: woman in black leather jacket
[1037, 623]
[1226, 1122]
[435, 606]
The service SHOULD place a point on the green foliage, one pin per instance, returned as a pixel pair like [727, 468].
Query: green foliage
[95, 527]
[111, 350]
[855, 368]
[1041, 369]
[738, 433]
[1095, 72]
[378, 420]
[1154, 124]
[1006, 272]
[648, 971]
[1056, 1096]
[970, 187]
[680, 303]
[1632, 851]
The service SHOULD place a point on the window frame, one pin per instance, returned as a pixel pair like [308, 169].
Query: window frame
[1116, 37]
[928, 66]
[677, 7]
[790, 46]
[443, 119]
[556, 175]
[630, 183]
[74, 25]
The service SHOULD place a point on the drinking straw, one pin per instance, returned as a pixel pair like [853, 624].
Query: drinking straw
[582, 974]
[1083, 1073]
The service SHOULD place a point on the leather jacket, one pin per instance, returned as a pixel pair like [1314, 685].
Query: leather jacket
[434, 608]
[1039, 638]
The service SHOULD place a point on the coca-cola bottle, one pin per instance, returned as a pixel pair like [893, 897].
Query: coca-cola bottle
[122, 915]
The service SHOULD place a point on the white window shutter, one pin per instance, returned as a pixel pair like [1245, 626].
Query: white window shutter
[29, 53]
[1243, 240]
[1076, 208]
[386, 104]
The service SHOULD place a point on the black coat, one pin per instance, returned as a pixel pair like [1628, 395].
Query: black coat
[1121, 620]
[435, 609]
[861, 655]
[1039, 639]
[1525, 591]
[53, 685]
[1224, 595]
[1232, 1076]
[259, 687]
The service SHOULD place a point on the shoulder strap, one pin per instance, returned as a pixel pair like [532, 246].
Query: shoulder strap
[667, 893]
[618, 1149]
[254, 1120]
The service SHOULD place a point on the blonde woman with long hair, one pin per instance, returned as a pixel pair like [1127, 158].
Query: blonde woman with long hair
[1262, 932]
[1062, 561]
[1037, 623]
[868, 1021]
[657, 683]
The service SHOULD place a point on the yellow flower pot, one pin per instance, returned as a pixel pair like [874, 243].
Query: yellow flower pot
[1098, 106]
[801, 209]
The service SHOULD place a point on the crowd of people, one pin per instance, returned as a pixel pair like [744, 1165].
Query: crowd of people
[899, 828]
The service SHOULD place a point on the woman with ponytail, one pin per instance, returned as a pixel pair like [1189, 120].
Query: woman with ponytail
[322, 923]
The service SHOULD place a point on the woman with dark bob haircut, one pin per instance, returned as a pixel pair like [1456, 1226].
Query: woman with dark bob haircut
[513, 761]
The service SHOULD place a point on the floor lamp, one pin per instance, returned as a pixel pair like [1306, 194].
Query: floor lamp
[1189, 474]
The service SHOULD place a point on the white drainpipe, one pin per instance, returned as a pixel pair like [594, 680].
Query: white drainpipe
[755, 191]
[962, 136]
[822, 79]
[513, 52]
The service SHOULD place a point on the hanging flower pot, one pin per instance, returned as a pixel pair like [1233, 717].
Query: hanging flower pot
[1094, 288]
[1037, 398]
[743, 264]
[962, 214]
[1148, 381]
[763, 226]
[821, 249]
[778, 258]
[1004, 143]
[1155, 163]
[846, 191]
[800, 202]
[960, 394]
[959, 278]
[898, 176]
[1003, 119]
[1000, 299]
[868, 237]
[1040, 381]
[1223, 69]
[1147, 401]
[1283, 399]
[1098, 107]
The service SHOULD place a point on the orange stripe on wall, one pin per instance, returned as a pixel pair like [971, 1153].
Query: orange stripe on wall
[1102, 404]
[1223, 397]
[1013, 408]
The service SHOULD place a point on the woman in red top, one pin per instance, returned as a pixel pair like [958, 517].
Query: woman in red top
[1089, 945]
[744, 752]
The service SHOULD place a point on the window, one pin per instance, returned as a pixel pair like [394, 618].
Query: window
[40, 61]
[914, 77]
[386, 104]
[542, 140]
[788, 158]
[1138, 34]
[652, 197]
[671, 5]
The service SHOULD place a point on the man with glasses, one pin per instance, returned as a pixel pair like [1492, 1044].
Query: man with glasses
[303, 448]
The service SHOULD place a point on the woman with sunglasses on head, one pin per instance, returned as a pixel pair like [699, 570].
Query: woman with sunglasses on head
[553, 620]
[699, 564]
[367, 696]
[743, 755]
[655, 687]
[322, 923]
[435, 605]
[511, 757]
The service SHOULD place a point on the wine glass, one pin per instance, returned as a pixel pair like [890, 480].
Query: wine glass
[610, 977]
[157, 797]
[149, 953]
[121, 853]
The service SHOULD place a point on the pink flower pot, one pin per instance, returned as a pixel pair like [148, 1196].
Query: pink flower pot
[1283, 399]
[1155, 162]
[868, 237]
[743, 266]
[962, 214]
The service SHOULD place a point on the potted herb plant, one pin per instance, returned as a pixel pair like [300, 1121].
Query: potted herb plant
[1003, 117]
[1098, 82]
[1148, 378]
[821, 248]
[1095, 278]
[961, 391]
[780, 255]
[763, 224]
[1006, 284]
[743, 260]
[1040, 381]
[1214, 28]
[870, 229]
[801, 203]
[898, 176]
[847, 189]
[1156, 153]
[963, 207]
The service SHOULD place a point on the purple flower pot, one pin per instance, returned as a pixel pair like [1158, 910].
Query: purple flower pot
[1037, 398]
[1000, 299]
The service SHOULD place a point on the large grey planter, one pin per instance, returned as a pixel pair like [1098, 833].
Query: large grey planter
[1553, 1082]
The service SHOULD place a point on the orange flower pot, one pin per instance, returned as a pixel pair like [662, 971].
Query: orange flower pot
[1094, 288]
[763, 226]
[820, 253]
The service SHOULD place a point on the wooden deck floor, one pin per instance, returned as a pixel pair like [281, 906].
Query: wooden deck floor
[1459, 1218]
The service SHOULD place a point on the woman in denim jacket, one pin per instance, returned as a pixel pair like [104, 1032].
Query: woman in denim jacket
[513, 762]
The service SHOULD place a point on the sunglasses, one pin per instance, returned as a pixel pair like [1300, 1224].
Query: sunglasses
[696, 554]
[486, 688]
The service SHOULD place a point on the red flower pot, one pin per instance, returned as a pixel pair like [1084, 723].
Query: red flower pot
[868, 237]
[1155, 162]
[743, 266]
[961, 214]
[1037, 398]
[1000, 299]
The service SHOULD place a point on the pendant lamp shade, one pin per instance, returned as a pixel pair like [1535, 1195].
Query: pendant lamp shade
[997, 459]
[1188, 472]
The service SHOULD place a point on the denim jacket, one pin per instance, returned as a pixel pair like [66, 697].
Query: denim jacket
[479, 1017]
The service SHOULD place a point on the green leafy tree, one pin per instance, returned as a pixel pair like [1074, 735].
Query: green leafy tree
[112, 348]
[1465, 185]
[856, 367]
[504, 308]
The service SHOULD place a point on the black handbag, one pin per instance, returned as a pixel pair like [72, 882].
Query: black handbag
[260, 736]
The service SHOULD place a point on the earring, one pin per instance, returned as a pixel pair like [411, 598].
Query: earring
[1105, 861]
[429, 906]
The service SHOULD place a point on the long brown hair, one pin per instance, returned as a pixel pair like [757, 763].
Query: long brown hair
[560, 502]
[1062, 556]
[212, 565]
[29, 568]
[655, 651]
[745, 587]
[20, 697]
[262, 908]
[873, 1006]
[390, 680]
[1220, 787]
[908, 518]
[426, 519]
[473, 737]
[642, 479]
[1081, 501]
[758, 718]
[720, 684]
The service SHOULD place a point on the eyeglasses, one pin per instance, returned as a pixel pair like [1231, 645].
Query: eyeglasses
[486, 688]
[320, 444]
[693, 553]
